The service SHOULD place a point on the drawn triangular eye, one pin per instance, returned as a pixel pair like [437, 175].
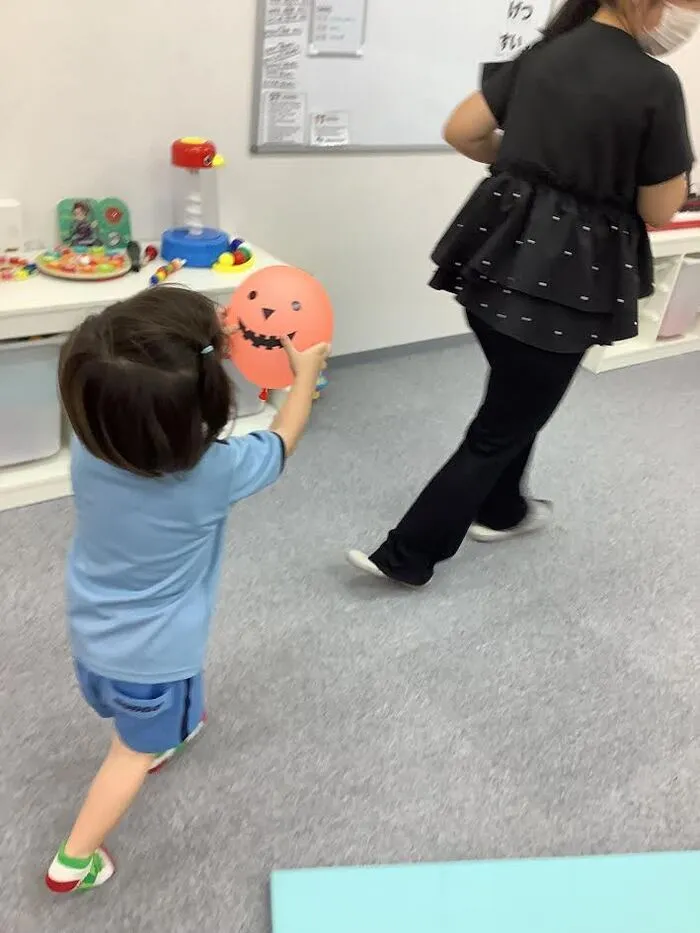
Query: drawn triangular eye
[296, 306]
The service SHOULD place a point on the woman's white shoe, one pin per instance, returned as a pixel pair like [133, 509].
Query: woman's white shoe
[360, 561]
[539, 515]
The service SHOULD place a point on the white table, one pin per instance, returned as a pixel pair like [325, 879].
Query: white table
[44, 305]
[666, 245]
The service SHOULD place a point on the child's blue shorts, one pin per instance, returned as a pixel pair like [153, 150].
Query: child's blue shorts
[150, 718]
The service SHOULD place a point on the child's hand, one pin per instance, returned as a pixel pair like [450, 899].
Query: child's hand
[227, 328]
[306, 363]
[291, 419]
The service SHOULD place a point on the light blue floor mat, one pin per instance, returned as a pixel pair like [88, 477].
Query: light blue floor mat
[655, 893]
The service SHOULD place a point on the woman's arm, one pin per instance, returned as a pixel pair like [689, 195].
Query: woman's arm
[473, 130]
[657, 204]
[666, 156]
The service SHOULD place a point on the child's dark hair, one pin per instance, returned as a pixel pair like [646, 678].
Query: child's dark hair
[142, 382]
[82, 206]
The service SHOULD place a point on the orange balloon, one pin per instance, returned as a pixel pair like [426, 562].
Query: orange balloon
[271, 303]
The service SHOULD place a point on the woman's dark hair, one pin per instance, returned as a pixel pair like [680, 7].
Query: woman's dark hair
[142, 382]
[570, 15]
[574, 13]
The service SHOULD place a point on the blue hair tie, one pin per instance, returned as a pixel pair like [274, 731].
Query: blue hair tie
[208, 349]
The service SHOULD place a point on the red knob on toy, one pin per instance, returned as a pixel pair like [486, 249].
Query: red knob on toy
[194, 152]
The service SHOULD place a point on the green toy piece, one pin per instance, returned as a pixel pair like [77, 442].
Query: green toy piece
[321, 384]
[84, 223]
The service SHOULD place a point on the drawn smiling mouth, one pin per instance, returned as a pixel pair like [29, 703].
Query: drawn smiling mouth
[262, 341]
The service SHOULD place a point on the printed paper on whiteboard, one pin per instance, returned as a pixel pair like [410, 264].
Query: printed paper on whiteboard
[283, 118]
[337, 27]
[281, 15]
[280, 67]
[330, 129]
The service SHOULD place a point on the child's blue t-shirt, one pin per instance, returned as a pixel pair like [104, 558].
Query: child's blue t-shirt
[146, 556]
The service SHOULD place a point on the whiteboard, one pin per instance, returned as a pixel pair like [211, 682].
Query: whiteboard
[338, 75]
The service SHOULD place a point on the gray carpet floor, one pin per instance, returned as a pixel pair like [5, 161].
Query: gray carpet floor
[542, 697]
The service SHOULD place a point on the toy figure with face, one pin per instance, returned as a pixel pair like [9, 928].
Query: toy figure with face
[84, 228]
[274, 302]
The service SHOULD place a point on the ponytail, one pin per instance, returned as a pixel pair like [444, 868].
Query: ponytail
[571, 15]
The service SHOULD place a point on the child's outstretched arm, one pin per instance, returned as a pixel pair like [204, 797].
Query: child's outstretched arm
[306, 365]
[255, 461]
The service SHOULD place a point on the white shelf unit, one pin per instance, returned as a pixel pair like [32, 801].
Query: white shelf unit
[51, 306]
[668, 246]
[42, 480]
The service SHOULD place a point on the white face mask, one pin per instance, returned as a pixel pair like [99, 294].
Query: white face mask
[678, 24]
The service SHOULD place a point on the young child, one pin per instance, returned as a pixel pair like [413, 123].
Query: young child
[143, 386]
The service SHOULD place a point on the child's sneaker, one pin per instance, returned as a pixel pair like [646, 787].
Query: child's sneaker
[160, 761]
[68, 874]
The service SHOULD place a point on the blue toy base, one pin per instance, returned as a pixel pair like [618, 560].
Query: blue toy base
[200, 251]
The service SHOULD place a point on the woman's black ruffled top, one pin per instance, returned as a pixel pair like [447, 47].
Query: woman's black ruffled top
[544, 265]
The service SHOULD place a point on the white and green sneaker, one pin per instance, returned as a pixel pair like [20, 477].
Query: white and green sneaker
[160, 761]
[67, 874]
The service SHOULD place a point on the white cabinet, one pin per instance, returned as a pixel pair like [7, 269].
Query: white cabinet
[669, 249]
[50, 306]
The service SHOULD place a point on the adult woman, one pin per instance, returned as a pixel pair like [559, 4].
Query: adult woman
[550, 254]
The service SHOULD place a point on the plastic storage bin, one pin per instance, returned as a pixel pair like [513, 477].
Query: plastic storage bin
[684, 304]
[30, 413]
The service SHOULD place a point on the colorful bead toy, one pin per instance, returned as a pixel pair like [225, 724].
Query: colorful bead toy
[149, 254]
[16, 269]
[321, 384]
[239, 258]
[94, 263]
[162, 273]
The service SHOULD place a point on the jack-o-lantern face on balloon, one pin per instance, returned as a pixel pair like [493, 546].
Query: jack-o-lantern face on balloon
[275, 302]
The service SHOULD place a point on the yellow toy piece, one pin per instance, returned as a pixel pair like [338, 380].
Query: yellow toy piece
[226, 263]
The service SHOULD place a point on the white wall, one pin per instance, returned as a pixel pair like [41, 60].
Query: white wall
[93, 99]
[687, 64]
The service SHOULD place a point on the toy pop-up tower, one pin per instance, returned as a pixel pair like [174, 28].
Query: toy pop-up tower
[199, 241]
